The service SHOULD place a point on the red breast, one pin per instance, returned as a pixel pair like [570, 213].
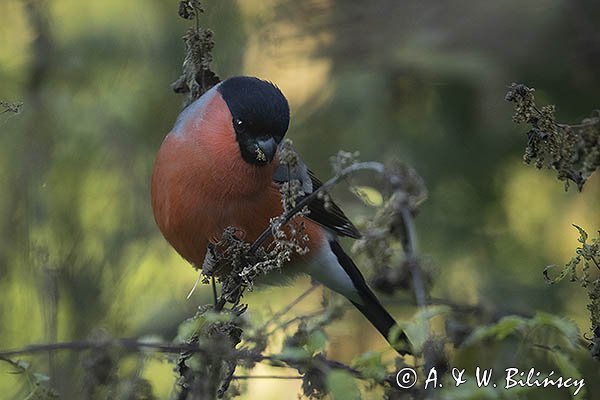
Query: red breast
[201, 185]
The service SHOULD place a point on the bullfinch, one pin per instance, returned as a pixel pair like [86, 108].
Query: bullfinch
[218, 168]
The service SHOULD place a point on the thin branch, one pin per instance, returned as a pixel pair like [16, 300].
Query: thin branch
[214, 289]
[80, 345]
[13, 363]
[591, 122]
[239, 377]
[542, 347]
[321, 363]
[318, 361]
[313, 361]
[191, 292]
[458, 307]
[291, 305]
[595, 262]
[285, 218]
[410, 248]
[287, 323]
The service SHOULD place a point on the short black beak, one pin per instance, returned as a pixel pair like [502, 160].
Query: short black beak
[265, 150]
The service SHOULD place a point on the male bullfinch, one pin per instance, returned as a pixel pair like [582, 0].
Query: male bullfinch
[219, 167]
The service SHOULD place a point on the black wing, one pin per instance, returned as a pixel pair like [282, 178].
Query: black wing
[331, 217]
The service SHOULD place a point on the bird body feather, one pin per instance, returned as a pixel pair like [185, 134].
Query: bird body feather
[201, 185]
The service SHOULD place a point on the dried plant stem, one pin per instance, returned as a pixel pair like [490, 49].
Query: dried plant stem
[291, 305]
[240, 377]
[285, 218]
[410, 249]
[80, 345]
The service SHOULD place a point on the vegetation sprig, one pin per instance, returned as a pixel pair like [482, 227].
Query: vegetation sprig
[573, 151]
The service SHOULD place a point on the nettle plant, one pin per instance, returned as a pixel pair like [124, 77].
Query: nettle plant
[573, 151]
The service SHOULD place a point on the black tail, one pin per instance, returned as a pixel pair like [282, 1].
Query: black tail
[371, 308]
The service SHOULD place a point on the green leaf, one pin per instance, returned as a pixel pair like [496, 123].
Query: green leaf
[370, 365]
[188, 328]
[583, 236]
[369, 195]
[566, 270]
[293, 353]
[316, 341]
[417, 330]
[213, 316]
[567, 329]
[41, 377]
[568, 369]
[342, 386]
[500, 330]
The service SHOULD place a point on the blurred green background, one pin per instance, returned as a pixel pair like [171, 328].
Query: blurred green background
[423, 81]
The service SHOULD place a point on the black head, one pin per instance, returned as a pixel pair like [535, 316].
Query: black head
[261, 116]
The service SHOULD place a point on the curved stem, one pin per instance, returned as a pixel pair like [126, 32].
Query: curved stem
[285, 218]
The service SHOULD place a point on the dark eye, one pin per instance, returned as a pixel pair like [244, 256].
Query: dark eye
[238, 123]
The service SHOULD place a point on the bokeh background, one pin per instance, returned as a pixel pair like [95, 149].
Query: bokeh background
[423, 81]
